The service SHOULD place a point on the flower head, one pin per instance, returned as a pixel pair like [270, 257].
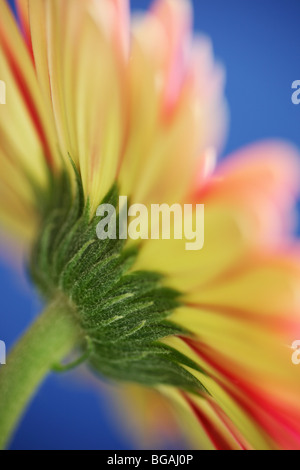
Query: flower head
[99, 107]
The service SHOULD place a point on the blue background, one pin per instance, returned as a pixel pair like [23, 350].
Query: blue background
[259, 43]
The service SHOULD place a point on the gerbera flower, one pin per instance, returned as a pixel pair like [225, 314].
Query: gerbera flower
[97, 108]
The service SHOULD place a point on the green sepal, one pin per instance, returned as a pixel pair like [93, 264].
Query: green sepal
[124, 314]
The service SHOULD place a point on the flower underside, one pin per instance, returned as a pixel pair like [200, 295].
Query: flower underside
[122, 313]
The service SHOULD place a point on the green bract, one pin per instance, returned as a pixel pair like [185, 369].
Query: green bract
[122, 313]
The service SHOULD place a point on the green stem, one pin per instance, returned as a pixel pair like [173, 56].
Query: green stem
[54, 335]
